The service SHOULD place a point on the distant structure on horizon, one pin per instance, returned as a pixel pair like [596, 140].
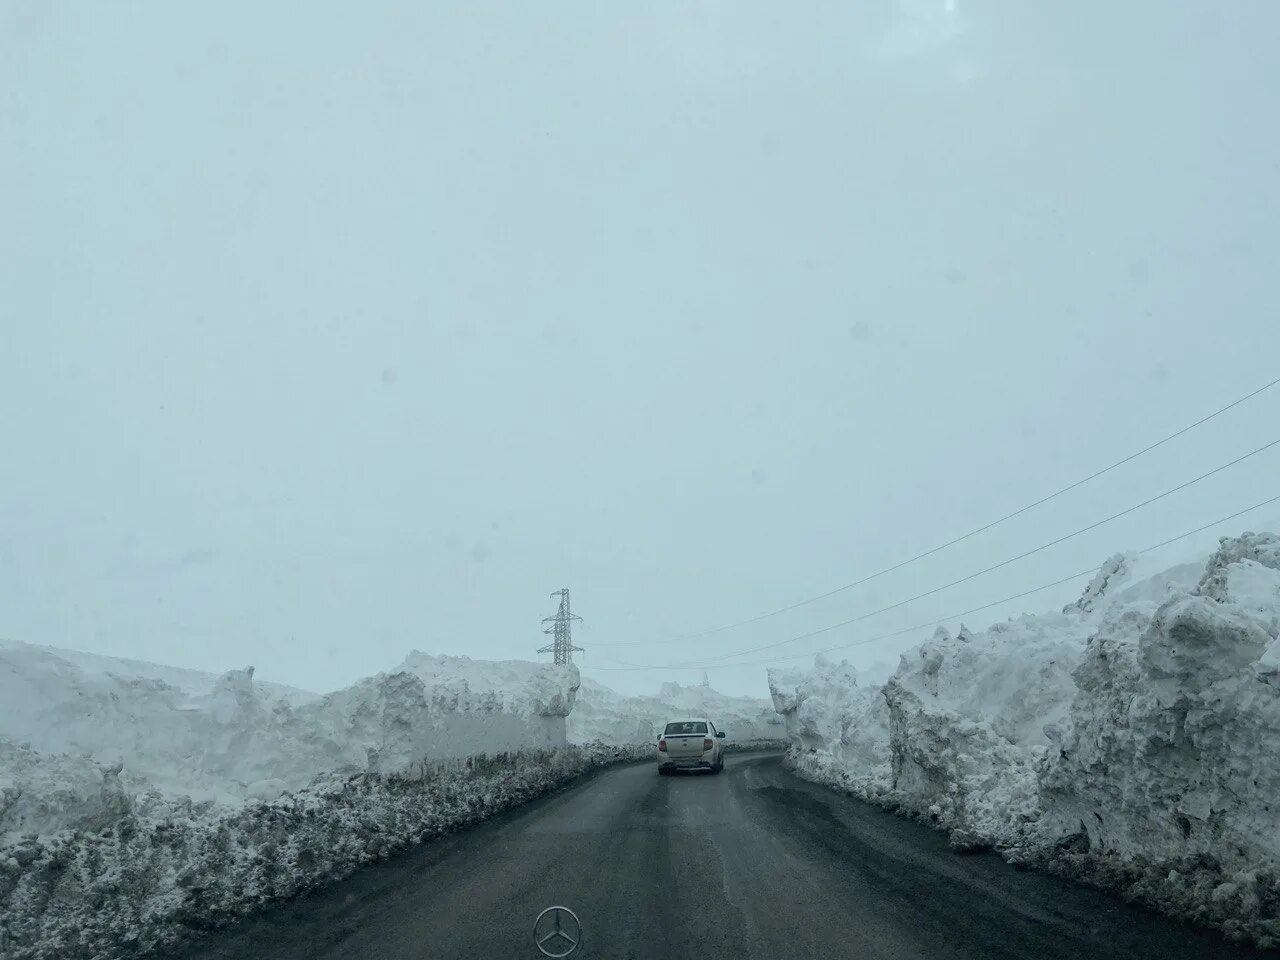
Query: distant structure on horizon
[706, 681]
[561, 647]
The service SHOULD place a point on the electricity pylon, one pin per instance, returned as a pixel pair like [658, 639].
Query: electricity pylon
[561, 646]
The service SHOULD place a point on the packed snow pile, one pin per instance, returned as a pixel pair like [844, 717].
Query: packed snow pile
[967, 722]
[167, 872]
[78, 732]
[1169, 757]
[43, 793]
[519, 687]
[603, 714]
[1129, 739]
[839, 727]
[954, 735]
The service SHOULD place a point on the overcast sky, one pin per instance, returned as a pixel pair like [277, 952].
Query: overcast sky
[334, 331]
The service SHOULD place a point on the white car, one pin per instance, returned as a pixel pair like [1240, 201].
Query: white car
[690, 745]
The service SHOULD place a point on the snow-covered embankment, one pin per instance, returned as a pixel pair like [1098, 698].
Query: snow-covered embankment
[1129, 740]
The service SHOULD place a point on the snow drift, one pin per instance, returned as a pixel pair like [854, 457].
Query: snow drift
[1129, 739]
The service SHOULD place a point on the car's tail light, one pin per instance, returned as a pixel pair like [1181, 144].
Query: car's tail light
[706, 745]
[662, 745]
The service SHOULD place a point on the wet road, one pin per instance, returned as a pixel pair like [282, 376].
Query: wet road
[753, 863]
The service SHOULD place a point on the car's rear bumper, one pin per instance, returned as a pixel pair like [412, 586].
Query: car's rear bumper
[689, 763]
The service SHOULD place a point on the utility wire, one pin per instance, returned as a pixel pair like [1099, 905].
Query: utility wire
[715, 661]
[950, 543]
[953, 616]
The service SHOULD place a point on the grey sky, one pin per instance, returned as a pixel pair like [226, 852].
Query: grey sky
[332, 334]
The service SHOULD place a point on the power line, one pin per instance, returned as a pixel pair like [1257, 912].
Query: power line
[953, 616]
[707, 661]
[1019, 596]
[950, 543]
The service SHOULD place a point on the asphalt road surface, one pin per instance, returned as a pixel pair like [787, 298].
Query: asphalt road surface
[753, 863]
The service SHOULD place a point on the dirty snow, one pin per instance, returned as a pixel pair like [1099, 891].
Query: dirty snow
[1129, 739]
[169, 871]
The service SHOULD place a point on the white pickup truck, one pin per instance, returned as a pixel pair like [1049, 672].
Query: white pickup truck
[690, 745]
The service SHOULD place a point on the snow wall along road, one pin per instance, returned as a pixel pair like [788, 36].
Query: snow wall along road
[82, 736]
[1130, 740]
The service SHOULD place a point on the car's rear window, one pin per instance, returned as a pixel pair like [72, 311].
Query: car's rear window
[685, 727]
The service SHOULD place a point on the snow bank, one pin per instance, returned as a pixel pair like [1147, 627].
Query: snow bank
[83, 736]
[163, 736]
[436, 707]
[75, 728]
[967, 722]
[191, 682]
[1168, 773]
[840, 729]
[603, 714]
[42, 793]
[1129, 739]
[167, 873]
[954, 735]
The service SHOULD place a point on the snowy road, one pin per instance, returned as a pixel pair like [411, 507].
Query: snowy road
[754, 863]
